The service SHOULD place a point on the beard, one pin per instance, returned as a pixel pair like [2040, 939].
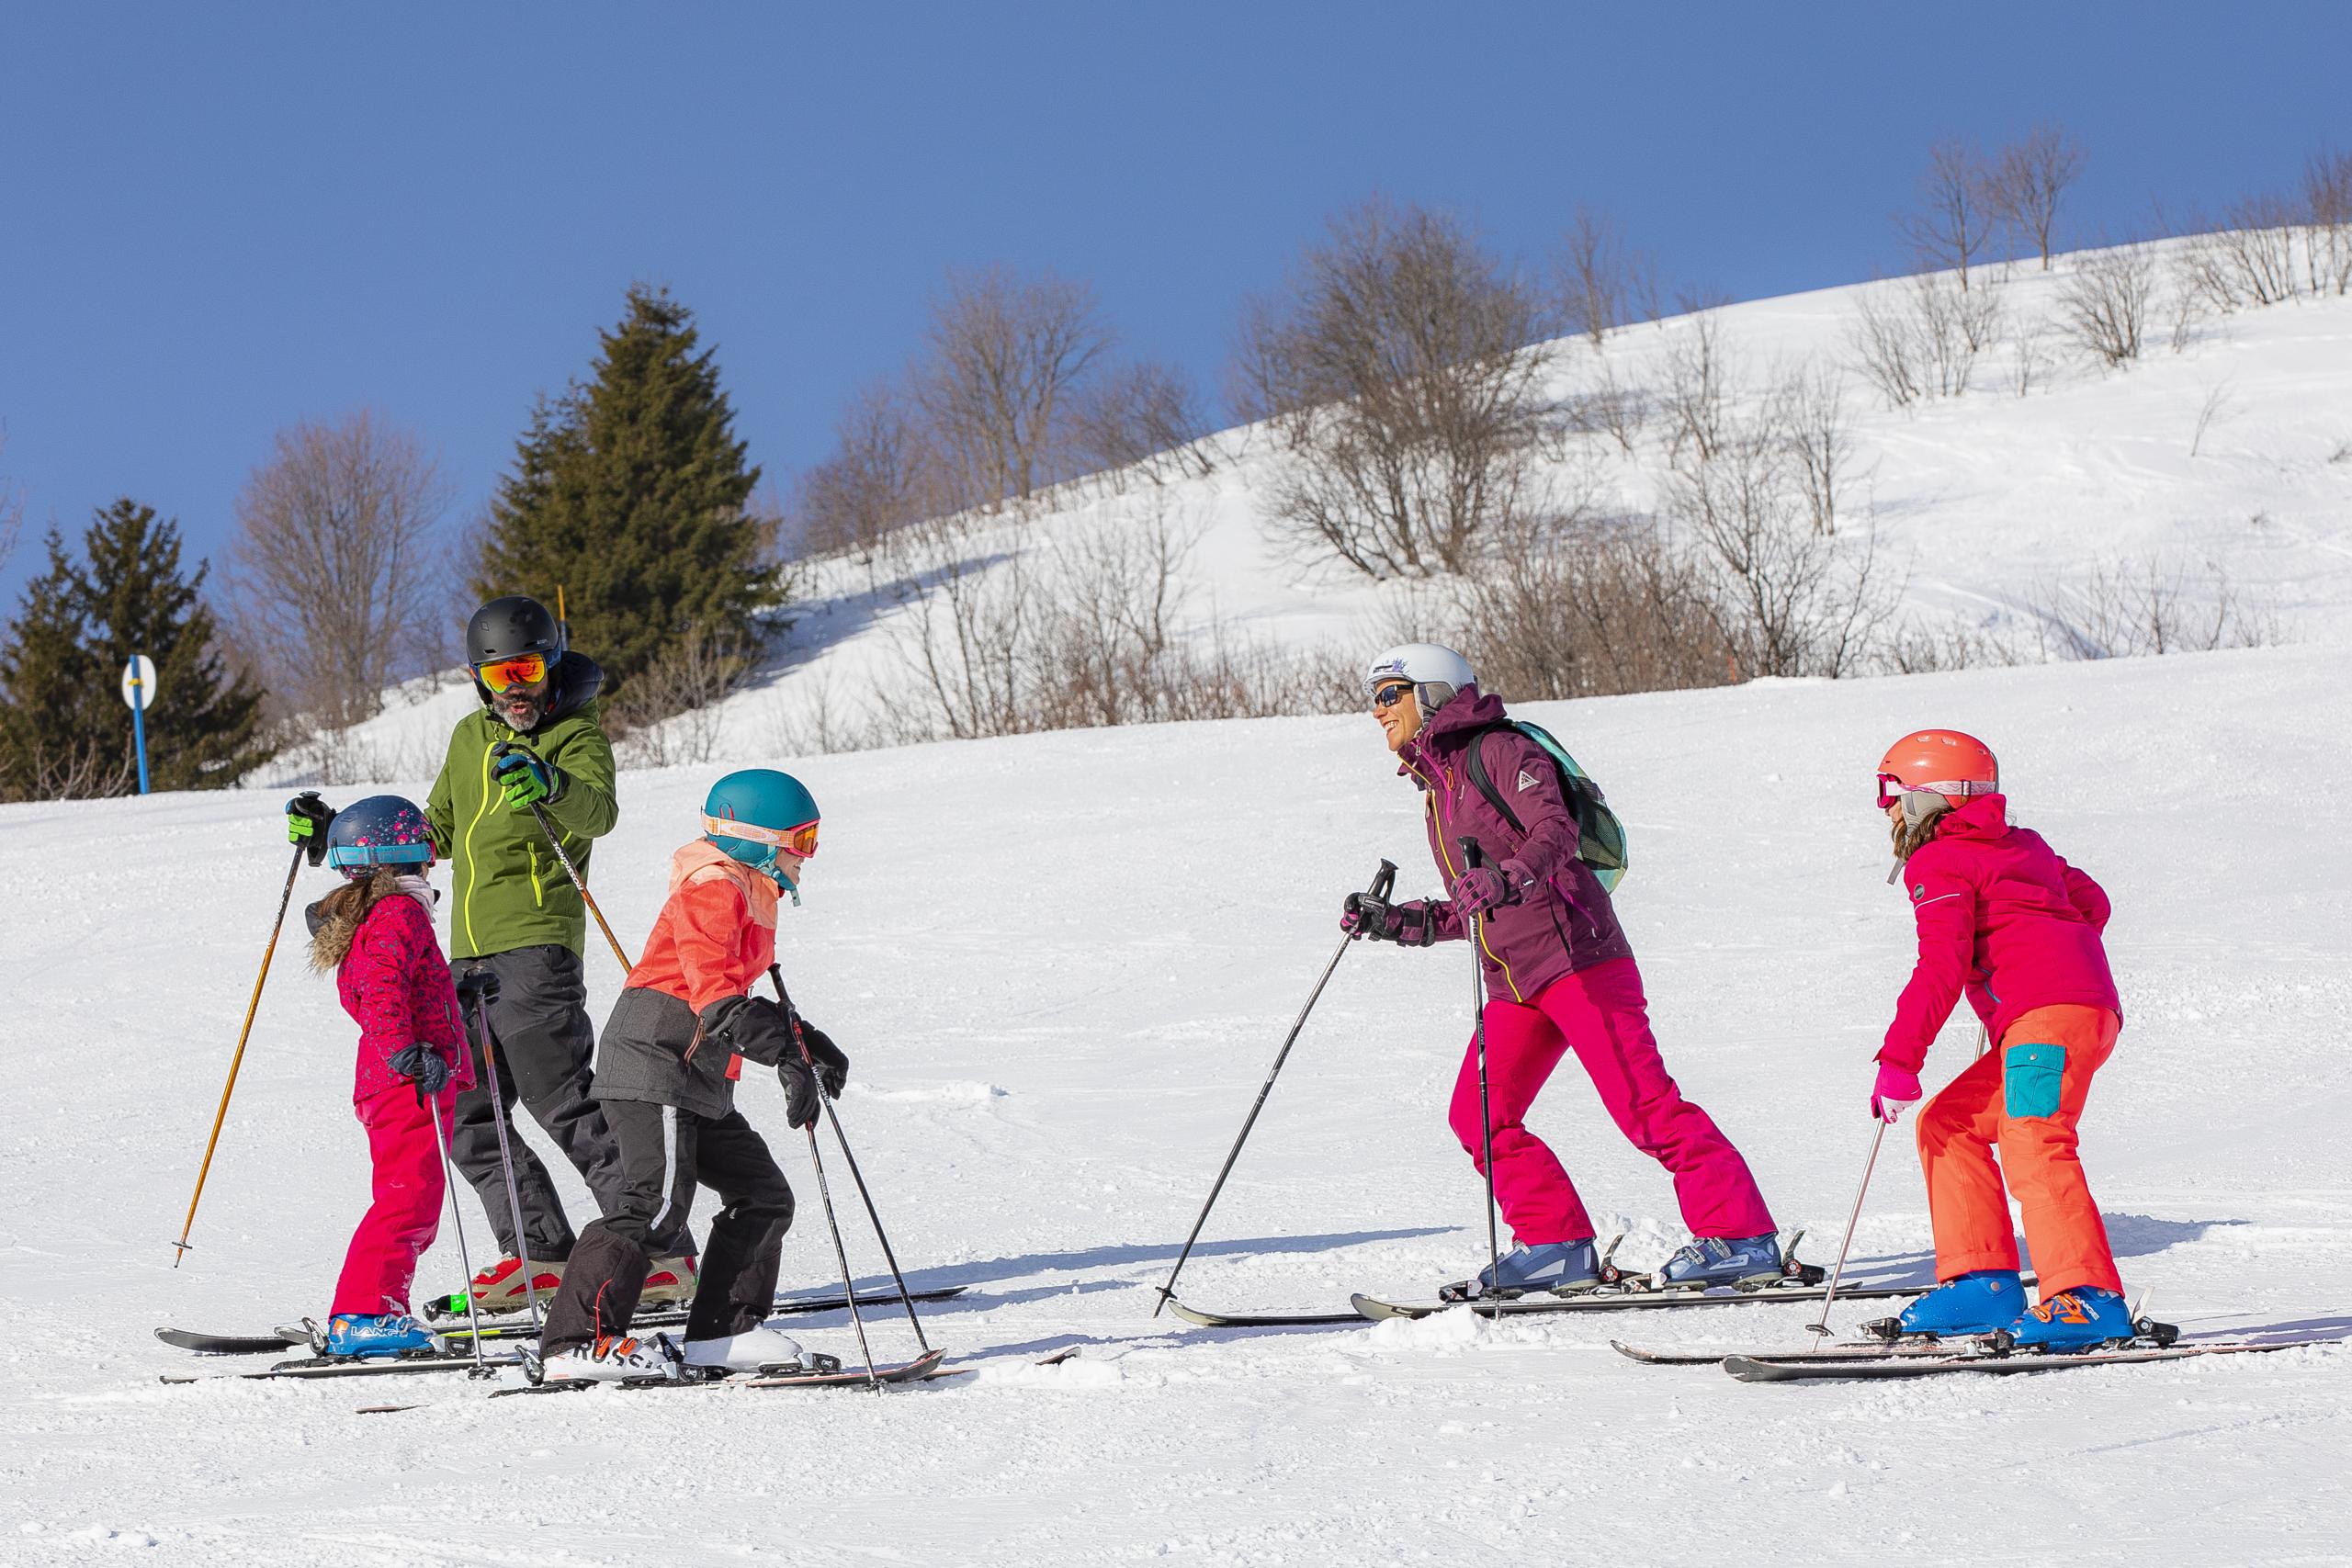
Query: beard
[520, 712]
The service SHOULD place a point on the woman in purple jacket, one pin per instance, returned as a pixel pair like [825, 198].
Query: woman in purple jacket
[1560, 977]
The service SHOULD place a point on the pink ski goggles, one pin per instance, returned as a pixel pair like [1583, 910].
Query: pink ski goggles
[1891, 789]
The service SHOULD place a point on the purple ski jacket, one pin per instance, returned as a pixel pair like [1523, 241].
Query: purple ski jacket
[1562, 921]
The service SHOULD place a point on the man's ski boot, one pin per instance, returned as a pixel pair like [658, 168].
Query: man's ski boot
[499, 1288]
[1563, 1267]
[1710, 1262]
[366, 1336]
[761, 1349]
[669, 1283]
[1983, 1301]
[2081, 1319]
[615, 1358]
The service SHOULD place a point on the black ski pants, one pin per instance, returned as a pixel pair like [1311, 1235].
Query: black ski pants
[666, 1154]
[545, 1046]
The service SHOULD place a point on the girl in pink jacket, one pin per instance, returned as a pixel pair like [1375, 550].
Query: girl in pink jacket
[2004, 921]
[376, 933]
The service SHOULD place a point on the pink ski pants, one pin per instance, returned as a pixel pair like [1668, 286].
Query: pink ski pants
[1601, 1014]
[406, 1213]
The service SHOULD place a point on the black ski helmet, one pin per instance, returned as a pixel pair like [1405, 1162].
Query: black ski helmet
[511, 628]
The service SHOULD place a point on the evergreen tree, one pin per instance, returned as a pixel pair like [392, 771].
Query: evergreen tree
[629, 494]
[64, 729]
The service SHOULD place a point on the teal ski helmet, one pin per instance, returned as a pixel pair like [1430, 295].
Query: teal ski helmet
[754, 812]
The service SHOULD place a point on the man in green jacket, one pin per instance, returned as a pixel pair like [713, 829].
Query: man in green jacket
[514, 913]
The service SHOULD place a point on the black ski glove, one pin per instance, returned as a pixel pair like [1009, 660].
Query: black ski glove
[800, 1101]
[1407, 925]
[832, 1066]
[751, 1027]
[423, 1065]
[307, 819]
[477, 988]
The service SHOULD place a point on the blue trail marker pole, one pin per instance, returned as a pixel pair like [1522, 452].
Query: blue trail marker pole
[138, 689]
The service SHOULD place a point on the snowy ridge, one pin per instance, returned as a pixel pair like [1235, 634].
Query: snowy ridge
[1061, 964]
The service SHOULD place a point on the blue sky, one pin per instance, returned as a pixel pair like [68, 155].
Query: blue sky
[215, 221]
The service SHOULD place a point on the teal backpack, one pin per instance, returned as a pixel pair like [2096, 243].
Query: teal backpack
[1600, 838]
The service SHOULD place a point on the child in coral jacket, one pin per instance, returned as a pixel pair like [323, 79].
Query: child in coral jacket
[2001, 917]
[376, 933]
[666, 1068]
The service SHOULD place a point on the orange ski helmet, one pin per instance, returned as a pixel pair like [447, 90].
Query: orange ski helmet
[1937, 762]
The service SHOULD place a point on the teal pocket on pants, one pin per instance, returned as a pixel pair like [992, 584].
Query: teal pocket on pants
[2036, 1076]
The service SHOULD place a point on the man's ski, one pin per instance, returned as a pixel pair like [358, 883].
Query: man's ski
[829, 1375]
[1802, 1368]
[520, 1327]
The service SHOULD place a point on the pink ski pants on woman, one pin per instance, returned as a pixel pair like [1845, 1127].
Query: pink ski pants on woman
[1600, 1013]
[409, 1185]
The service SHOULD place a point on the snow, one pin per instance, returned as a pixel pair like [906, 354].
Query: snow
[1060, 965]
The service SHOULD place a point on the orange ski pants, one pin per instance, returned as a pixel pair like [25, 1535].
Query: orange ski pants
[2025, 1097]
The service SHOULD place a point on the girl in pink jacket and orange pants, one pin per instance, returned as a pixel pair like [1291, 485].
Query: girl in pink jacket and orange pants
[2005, 921]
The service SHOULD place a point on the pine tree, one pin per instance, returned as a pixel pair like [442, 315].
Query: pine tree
[64, 729]
[629, 493]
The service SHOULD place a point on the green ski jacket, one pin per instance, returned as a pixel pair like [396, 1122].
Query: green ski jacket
[507, 888]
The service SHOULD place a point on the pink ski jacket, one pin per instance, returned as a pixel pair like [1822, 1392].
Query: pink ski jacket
[2003, 917]
[395, 985]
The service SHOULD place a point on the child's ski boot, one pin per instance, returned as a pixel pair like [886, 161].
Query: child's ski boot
[2081, 1319]
[365, 1336]
[1710, 1262]
[1563, 1267]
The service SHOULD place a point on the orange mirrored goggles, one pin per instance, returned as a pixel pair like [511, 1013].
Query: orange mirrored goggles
[528, 670]
[799, 842]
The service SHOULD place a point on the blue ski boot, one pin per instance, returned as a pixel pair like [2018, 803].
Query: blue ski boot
[1712, 1261]
[1979, 1301]
[2081, 1319]
[1564, 1268]
[365, 1336]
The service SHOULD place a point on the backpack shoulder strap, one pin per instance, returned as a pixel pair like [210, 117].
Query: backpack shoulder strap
[1475, 764]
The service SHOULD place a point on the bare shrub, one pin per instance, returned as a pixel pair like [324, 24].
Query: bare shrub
[2030, 358]
[1576, 604]
[2151, 608]
[2328, 217]
[336, 572]
[1920, 338]
[669, 712]
[1612, 409]
[2027, 180]
[2255, 253]
[1141, 420]
[1395, 369]
[2216, 406]
[1884, 343]
[1700, 377]
[1004, 352]
[1602, 282]
[2103, 306]
[1954, 222]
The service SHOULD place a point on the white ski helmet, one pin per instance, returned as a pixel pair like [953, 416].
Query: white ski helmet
[1436, 672]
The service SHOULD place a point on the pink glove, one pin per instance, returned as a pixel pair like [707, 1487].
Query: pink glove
[1895, 1092]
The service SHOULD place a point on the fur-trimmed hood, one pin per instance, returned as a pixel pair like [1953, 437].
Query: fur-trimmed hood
[335, 920]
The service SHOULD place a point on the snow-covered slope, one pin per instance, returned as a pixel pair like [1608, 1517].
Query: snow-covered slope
[1061, 964]
[2229, 459]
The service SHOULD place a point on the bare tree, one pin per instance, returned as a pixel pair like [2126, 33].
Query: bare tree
[1920, 338]
[1602, 281]
[1005, 352]
[1954, 222]
[2104, 305]
[2027, 180]
[2327, 201]
[335, 570]
[1139, 419]
[882, 475]
[1395, 371]
[1699, 385]
[1809, 408]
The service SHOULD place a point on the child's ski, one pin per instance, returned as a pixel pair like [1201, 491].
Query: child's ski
[319, 1367]
[1802, 1368]
[1606, 1299]
[828, 1373]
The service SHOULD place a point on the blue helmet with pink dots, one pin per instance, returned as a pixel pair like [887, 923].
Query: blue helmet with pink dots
[383, 830]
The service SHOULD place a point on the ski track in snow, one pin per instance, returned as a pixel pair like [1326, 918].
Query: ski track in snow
[1062, 964]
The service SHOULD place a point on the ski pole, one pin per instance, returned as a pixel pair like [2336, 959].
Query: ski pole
[1851, 1220]
[456, 1220]
[1382, 882]
[792, 1018]
[480, 988]
[849, 1286]
[1485, 1115]
[237, 1060]
[555, 842]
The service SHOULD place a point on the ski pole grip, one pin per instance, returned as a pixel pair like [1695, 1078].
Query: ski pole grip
[1384, 881]
[1471, 858]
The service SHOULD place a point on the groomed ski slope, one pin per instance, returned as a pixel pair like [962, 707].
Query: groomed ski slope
[1062, 963]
